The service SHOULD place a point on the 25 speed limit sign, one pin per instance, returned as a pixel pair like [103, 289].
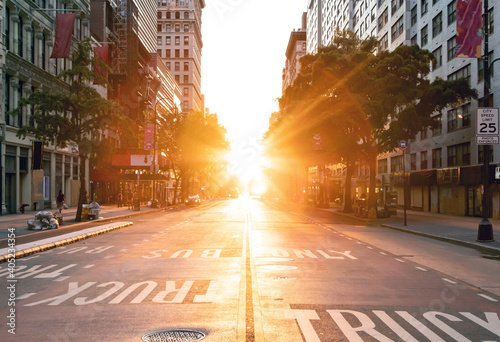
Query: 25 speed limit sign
[487, 121]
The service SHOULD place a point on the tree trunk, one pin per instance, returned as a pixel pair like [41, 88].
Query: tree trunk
[83, 182]
[372, 198]
[347, 187]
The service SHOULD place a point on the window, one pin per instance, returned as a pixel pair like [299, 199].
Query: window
[159, 52]
[186, 91]
[186, 40]
[159, 28]
[413, 161]
[437, 24]
[397, 29]
[7, 27]
[168, 28]
[186, 78]
[382, 166]
[177, 66]
[185, 105]
[186, 66]
[168, 65]
[177, 78]
[452, 46]
[396, 164]
[159, 41]
[423, 160]
[439, 58]
[169, 15]
[480, 154]
[413, 15]
[436, 158]
[491, 18]
[462, 73]
[434, 2]
[159, 15]
[186, 53]
[413, 40]
[480, 67]
[459, 117]
[424, 7]
[186, 15]
[177, 15]
[168, 41]
[8, 118]
[452, 12]
[177, 28]
[383, 19]
[167, 53]
[423, 134]
[384, 43]
[459, 155]
[437, 127]
[186, 27]
[20, 37]
[177, 40]
[423, 36]
[177, 53]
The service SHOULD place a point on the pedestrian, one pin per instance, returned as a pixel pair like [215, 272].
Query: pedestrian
[60, 201]
[119, 199]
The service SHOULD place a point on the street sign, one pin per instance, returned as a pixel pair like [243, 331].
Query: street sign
[403, 144]
[487, 122]
[487, 140]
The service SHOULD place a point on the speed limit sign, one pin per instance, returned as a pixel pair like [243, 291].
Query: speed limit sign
[487, 121]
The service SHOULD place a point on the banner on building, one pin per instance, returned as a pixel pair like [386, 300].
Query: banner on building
[64, 31]
[469, 28]
[148, 137]
[101, 55]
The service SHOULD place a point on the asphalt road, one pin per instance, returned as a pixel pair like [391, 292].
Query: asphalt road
[243, 270]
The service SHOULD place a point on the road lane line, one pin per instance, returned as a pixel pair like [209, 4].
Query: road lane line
[487, 297]
[449, 281]
[421, 269]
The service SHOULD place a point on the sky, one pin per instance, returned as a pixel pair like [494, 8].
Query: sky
[244, 45]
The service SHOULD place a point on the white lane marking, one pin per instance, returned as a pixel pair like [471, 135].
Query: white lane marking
[304, 318]
[26, 295]
[109, 257]
[88, 266]
[123, 250]
[61, 278]
[399, 260]
[383, 253]
[449, 281]
[359, 243]
[487, 297]
[26, 259]
[369, 247]
[421, 269]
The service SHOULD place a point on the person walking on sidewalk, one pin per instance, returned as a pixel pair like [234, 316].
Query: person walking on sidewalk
[119, 199]
[60, 201]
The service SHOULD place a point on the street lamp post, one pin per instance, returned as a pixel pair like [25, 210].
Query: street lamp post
[485, 229]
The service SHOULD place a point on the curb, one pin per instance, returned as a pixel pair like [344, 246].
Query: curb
[38, 249]
[445, 239]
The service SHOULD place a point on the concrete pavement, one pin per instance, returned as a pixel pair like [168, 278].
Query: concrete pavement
[460, 230]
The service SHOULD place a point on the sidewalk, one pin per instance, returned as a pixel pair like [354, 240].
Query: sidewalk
[460, 230]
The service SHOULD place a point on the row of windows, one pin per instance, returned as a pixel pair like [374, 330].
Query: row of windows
[457, 155]
[168, 28]
[177, 39]
[177, 66]
[177, 53]
[172, 15]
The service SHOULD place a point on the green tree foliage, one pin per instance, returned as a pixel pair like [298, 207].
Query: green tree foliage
[76, 115]
[361, 103]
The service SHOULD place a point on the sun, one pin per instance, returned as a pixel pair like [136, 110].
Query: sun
[246, 162]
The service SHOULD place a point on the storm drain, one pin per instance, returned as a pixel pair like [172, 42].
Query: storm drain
[177, 335]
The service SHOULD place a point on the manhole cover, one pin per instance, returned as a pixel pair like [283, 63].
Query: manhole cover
[278, 267]
[275, 259]
[177, 335]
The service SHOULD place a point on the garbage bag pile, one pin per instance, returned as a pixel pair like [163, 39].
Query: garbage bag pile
[43, 220]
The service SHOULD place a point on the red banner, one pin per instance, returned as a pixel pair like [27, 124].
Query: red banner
[64, 31]
[469, 28]
[101, 54]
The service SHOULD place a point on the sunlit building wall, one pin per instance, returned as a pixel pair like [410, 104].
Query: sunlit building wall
[25, 67]
[180, 45]
[295, 50]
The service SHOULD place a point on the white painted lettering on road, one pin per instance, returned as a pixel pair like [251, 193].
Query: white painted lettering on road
[73, 290]
[420, 327]
[211, 253]
[398, 329]
[351, 332]
[492, 322]
[431, 316]
[187, 253]
[116, 287]
[303, 318]
[211, 295]
[150, 286]
[180, 294]
[99, 250]
[56, 273]
[155, 254]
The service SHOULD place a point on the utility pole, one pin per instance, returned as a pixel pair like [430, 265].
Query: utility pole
[485, 229]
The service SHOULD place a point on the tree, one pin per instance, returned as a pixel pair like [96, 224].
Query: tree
[75, 115]
[364, 103]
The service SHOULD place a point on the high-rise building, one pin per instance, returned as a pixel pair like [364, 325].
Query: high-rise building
[295, 50]
[180, 44]
[444, 162]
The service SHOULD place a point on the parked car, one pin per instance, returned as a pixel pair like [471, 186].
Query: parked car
[193, 200]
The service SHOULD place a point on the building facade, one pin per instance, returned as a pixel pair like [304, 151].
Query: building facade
[443, 163]
[297, 47]
[28, 30]
[180, 45]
